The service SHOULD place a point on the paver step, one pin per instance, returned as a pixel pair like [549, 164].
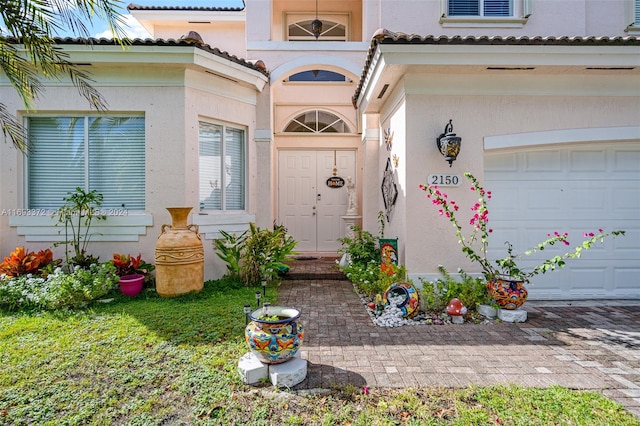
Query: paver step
[314, 268]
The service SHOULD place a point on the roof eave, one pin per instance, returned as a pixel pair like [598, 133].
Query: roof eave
[390, 50]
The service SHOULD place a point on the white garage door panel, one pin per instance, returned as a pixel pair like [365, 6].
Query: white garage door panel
[574, 189]
[628, 278]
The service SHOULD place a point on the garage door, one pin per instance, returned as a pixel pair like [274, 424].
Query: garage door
[572, 188]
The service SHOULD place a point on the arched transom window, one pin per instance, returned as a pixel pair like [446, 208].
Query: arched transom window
[317, 76]
[317, 121]
[334, 27]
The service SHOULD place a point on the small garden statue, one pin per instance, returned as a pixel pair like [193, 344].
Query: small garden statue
[352, 205]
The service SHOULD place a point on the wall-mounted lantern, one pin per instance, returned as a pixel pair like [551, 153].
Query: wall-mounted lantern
[316, 25]
[449, 144]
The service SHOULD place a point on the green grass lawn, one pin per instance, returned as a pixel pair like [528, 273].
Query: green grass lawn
[147, 361]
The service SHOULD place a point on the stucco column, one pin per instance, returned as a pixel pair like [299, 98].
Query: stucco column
[371, 178]
[264, 179]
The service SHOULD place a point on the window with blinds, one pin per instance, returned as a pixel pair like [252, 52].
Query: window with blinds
[480, 8]
[637, 13]
[105, 153]
[222, 167]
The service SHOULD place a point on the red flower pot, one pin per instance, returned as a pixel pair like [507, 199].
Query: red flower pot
[131, 285]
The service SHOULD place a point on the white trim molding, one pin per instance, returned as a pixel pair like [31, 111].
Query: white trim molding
[210, 224]
[551, 137]
[114, 228]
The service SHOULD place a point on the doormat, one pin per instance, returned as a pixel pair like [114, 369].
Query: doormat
[307, 257]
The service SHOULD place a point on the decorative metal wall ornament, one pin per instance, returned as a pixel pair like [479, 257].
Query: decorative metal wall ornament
[389, 190]
[449, 144]
[396, 160]
[388, 138]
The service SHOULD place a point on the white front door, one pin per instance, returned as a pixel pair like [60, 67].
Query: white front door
[309, 209]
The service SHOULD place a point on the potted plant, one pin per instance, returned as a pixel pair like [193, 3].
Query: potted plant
[274, 334]
[505, 278]
[132, 272]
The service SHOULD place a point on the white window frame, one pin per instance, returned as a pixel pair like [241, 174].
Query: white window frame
[317, 130]
[223, 179]
[328, 21]
[634, 27]
[39, 225]
[122, 210]
[521, 10]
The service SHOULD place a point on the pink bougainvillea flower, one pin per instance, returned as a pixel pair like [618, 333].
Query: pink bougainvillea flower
[475, 246]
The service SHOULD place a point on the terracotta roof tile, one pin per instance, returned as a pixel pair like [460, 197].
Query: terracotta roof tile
[133, 6]
[258, 65]
[384, 36]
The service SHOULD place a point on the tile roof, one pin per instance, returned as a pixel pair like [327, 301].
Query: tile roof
[384, 36]
[257, 66]
[133, 6]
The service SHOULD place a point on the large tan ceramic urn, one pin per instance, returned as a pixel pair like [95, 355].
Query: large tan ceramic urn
[179, 256]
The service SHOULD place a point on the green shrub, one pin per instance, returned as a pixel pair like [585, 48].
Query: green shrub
[256, 254]
[365, 277]
[364, 268]
[361, 247]
[471, 291]
[370, 279]
[60, 289]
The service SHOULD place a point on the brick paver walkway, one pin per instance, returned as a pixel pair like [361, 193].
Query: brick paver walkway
[594, 347]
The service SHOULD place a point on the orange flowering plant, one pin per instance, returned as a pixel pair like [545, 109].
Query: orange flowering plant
[475, 245]
[127, 265]
[23, 262]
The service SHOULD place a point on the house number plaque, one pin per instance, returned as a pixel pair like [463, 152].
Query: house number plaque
[438, 179]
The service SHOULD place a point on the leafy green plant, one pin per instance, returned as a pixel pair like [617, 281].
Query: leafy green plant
[59, 289]
[229, 249]
[374, 278]
[77, 214]
[256, 254]
[471, 291]
[271, 318]
[365, 269]
[361, 246]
